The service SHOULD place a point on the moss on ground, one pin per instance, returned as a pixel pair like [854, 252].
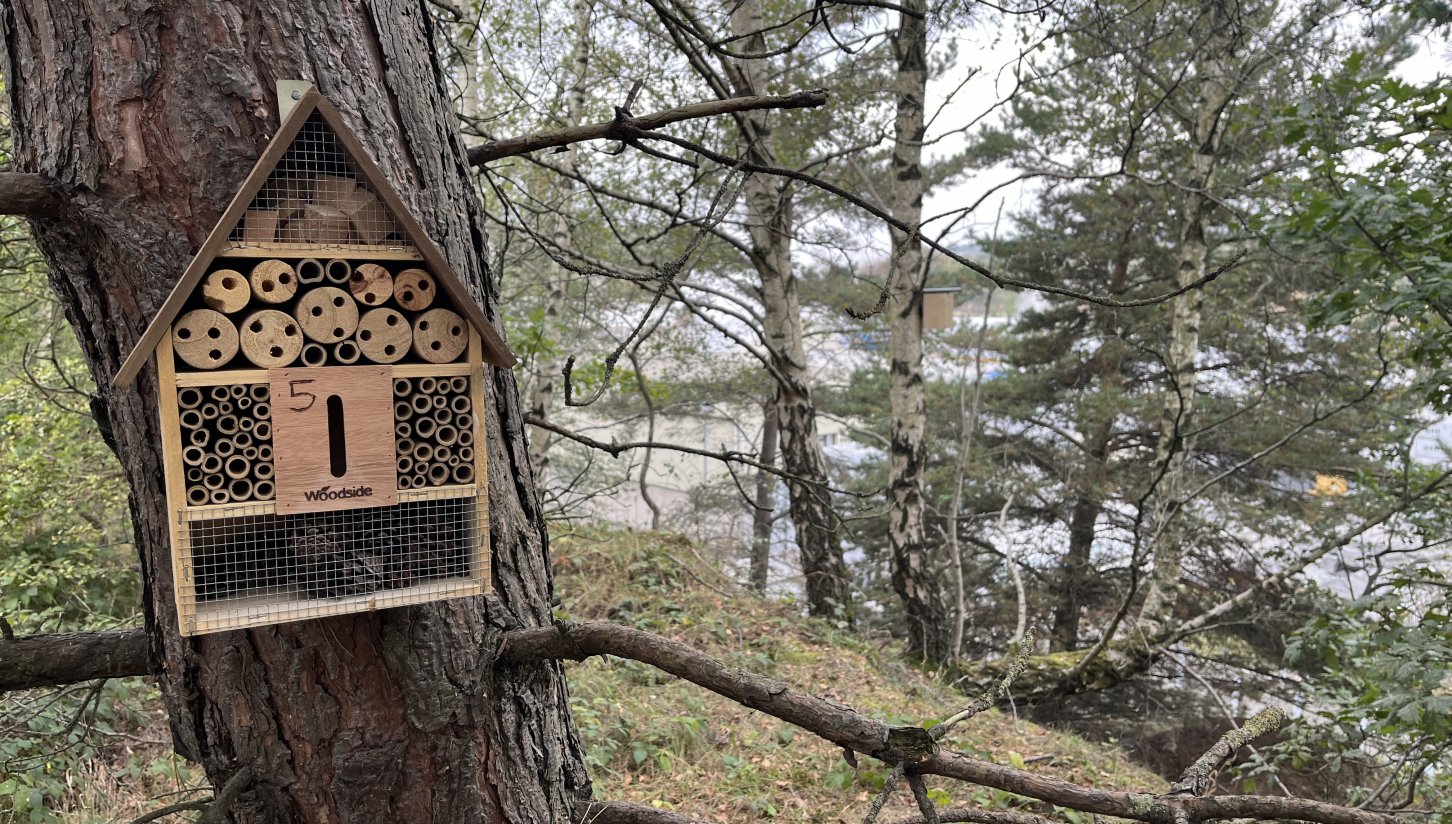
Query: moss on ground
[655, 740]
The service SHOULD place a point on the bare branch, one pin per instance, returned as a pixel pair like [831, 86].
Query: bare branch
[625, 125]
[1195, 780]
[30, 195]
[71, 657]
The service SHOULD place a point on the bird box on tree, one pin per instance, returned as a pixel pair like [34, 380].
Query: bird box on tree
[320, 372]
[938, 306]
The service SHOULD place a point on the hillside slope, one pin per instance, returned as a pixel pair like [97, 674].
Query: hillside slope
[653, 739]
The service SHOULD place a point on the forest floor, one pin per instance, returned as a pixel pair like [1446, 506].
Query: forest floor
[653, 739]
[649, 737]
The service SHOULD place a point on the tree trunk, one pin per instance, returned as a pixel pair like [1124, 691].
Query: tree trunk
[928, 629]
[151, 116]
[769, 221]
[1176, 441]
[550, 363]
[764, 508]
[1074, 574]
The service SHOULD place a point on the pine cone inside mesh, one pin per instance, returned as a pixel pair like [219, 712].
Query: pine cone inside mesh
[327, 567]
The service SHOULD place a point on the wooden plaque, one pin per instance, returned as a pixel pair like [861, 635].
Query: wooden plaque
[332, 430]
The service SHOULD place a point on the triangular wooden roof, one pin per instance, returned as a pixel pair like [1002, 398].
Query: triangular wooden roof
[496, 351]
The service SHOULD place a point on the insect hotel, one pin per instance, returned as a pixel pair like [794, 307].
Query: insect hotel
[319, 368]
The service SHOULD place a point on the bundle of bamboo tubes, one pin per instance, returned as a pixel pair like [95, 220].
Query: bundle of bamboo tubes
[312, 312]
[434, 432]
[226, 443]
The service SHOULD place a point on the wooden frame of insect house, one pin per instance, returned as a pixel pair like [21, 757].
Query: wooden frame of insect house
[320, 373]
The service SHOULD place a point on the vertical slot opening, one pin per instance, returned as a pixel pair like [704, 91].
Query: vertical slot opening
[337, 438]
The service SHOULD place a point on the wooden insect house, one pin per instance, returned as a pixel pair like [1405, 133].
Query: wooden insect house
[320, 369]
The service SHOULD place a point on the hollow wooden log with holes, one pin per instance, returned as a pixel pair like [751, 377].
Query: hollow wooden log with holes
[273, 281]
[314, 354]
[337, 271]
[371, 284]
[271, 339]
[327, 314]
[414, 289]
[384, 336]
[439, 336]
[204, 339]
[226, 291]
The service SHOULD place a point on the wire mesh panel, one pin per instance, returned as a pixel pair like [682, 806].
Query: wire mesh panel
[244, 565]
[316, 195]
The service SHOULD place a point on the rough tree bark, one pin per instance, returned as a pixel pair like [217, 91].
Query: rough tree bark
[928, 629]
[149, 117]
[769, 219]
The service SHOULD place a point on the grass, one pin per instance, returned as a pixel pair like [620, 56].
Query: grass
[655, 740]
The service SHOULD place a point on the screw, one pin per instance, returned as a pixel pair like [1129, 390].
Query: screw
[297, 94]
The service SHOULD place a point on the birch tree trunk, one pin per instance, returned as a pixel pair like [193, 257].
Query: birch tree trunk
[763, 512]
[769, 219]
[151, 116]
[1177, 442]
[542, 393]
[928, 630]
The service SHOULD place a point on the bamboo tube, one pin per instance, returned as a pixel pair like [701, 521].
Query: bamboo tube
[422, 453]
[446, 435]
[212, 481]
[463, 473]
[227, 424]
[404, 446]
[413, 289]
[263, 471]
[405, 464]
[403, 429]
[327, 314]
[220, 496]
[200, 437]
[241, 440]
[466, 454]
[193, 455]
[244, 404]
[371, 284]
[465, 424]
[453, 461]
[424, 427]
[262, 431]
[442, 454]
[204, 339]
[405, 482]
[189, 397]
[338, 271]
[273, 281]
[466, 433]
[212, 464]
[441, 403]
[264, 452]
[443, 417]
[262, 411]
[439, 336]
[191, 418]
[458, 384]
[262, 490]
[313, 354]
[225, 408]
[460, 404]
[210, 411]
[345, 352]
[402, 411]
[384, 336]
[220, 394]
[271, 339]
[250, 453]
[310, 270]
[237, 467]
[438, 474]
[245, 423]
[194, 474]
[224, 447]
[420, 479]
[421, 404]
[198, 495]
[225, 290]
[402, 387]
[240, 489]
[237, 391]
[261, 392]
[428, 386]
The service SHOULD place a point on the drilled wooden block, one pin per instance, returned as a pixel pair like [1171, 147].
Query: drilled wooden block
[371, 284]
[204, 339]
[271, 338]
[384, 336]
[414, 289]
[226, 290]
[327, 314]
[273, 281]
[439, 336]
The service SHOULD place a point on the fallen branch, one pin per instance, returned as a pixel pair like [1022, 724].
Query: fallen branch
[624, 812]
[626, 124]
